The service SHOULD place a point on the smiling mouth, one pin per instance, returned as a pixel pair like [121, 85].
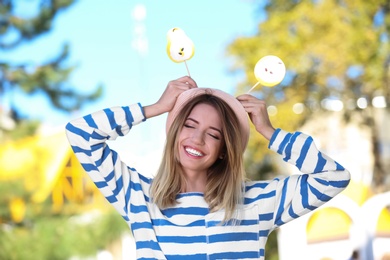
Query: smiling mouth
[193, 152]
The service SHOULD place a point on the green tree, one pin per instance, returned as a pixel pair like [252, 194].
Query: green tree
[49, 77]
[63, 234]
[60, 236]
[333, 50]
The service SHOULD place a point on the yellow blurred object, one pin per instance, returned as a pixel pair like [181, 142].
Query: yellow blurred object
[49, 170]
[318, 231]
[18, 209]
[17, 158]
[330, 224]
[383, 225]
[358, 192]
[38, 160]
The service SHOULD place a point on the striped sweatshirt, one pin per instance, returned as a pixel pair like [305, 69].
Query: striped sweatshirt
[189, 230]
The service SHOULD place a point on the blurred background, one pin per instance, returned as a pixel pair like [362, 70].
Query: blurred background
[62, 59]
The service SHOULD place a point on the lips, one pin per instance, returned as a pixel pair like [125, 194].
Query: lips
[193, 152]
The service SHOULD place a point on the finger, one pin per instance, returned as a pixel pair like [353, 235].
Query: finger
[256, 104]
[189, 81]
[183, 79]
[248, 98]
[244, 97]
[257, 108]
[192, 83]
[180, 84]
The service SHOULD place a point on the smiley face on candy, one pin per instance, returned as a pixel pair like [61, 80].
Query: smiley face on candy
[270, 70]
[180, 47]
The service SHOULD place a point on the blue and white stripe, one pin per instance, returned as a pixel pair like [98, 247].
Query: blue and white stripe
[188, 230]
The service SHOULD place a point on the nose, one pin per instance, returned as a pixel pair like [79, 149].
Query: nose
[198, 137]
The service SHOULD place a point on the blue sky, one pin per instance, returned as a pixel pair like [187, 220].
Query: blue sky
[101, 35]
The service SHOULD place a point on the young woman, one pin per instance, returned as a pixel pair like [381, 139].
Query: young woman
[199, 204]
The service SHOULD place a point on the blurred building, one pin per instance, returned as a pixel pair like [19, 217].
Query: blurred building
[48, 169]
[50, 173]
[356, 223]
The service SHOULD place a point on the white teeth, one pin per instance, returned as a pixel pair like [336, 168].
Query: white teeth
[193, 152]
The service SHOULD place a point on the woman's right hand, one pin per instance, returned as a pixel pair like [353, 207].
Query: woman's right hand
[168, 98]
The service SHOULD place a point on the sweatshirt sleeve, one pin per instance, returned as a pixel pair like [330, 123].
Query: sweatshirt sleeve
[88, 135]
[322, 178]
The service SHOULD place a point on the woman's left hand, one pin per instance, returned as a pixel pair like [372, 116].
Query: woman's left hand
[257, 110]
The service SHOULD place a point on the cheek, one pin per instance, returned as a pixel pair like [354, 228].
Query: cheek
[219, 148]
[182, 134]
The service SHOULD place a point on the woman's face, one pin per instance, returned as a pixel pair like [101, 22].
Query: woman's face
[201, 139]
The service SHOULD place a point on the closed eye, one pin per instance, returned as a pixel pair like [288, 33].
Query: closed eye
[192, 124]
[214, 136]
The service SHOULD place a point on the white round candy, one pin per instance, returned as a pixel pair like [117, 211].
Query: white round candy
[270, 70]
[180, 47]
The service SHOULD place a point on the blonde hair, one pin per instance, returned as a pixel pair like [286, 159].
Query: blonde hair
[225, 178]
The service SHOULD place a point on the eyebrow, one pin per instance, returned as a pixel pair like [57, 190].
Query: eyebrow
[211, 127]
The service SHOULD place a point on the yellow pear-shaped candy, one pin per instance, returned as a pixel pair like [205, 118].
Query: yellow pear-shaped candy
[180, 47]
[270, 70]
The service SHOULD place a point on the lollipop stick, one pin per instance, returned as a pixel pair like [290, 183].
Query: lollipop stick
[187, 69]
[253, 87]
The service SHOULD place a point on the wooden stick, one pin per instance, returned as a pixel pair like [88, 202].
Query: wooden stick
[253, 87]
[187, 68]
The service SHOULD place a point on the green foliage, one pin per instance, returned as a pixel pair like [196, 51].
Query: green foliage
[47, 235]
[10, 190]
[49, 77]
[28, 28]
[25, 128]
[320, 42]
[60, 237]
[43, 234]
[271, 248]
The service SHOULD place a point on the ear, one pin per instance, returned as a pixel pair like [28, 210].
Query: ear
[222, 153]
